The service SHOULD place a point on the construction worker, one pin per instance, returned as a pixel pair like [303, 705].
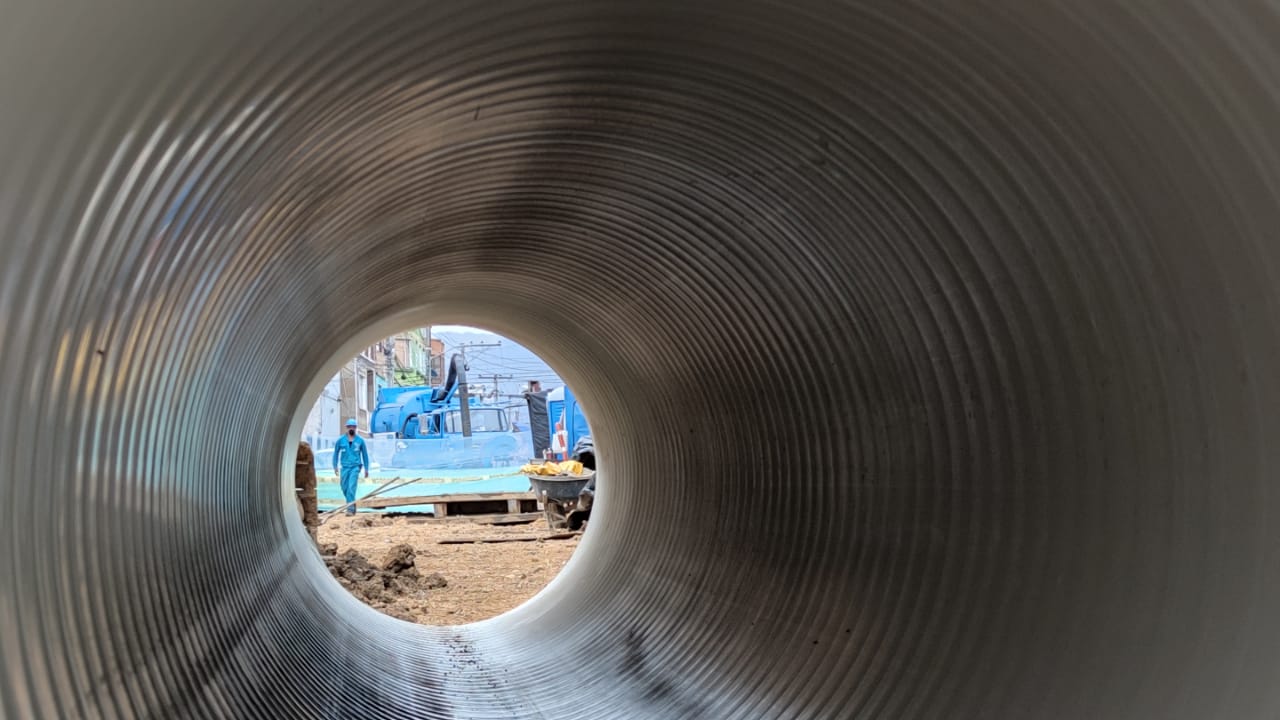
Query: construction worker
[350, 454]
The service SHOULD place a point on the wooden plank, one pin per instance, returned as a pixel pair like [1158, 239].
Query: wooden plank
[507, 539]
[471, 541]
[513, 506]
[375, 503]
[509, 519]
[440, 510]
[493, 519]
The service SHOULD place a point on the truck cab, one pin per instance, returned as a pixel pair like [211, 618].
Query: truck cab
[435, 439]
[399, 409]
[448, 421]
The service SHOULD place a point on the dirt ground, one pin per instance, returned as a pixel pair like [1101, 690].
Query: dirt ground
[484, 580]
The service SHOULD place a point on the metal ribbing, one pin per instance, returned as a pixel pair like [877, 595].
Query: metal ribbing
[931, 349]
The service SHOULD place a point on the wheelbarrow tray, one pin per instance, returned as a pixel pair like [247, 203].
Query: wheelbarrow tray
[561, 488]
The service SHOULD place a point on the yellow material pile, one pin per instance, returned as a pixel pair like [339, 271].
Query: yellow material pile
[550, 467]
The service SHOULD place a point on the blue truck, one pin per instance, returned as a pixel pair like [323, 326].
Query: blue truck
[427, 425]
[401, 410]
[426, 422]
[563, 407]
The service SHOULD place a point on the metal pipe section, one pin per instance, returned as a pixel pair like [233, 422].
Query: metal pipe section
[932, 349]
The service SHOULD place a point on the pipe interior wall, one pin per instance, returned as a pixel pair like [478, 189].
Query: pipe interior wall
[932, 349]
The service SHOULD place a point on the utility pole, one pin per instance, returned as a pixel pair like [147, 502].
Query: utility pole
[464, 399]
[426, 331]
[496, 378]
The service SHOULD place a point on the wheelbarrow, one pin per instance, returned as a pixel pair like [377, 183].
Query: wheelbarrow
[558, 495]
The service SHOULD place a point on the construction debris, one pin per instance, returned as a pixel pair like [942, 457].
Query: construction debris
[399, 559]
[508, 538]
[386, 584]
[484, 579]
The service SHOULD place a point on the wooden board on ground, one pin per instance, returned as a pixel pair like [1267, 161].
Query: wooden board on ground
[507, 519]
[507, 538]
[497, 519]
[377, 503]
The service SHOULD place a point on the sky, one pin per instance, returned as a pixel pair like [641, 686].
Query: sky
[458, 329]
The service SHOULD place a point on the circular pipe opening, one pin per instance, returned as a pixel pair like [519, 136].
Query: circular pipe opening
[451, 529]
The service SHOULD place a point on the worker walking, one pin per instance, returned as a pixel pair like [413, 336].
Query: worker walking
[350, 454]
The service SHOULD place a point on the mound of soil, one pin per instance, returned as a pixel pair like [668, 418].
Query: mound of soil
[394, 586]
[485, 579]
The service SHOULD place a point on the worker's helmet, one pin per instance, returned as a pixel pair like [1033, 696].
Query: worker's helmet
[352, 422]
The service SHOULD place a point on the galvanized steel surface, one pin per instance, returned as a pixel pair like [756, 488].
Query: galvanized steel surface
[1021, 258]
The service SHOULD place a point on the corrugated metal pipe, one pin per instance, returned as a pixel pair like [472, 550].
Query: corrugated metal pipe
[932, 349]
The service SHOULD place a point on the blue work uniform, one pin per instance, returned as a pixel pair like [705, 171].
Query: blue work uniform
[350, 454]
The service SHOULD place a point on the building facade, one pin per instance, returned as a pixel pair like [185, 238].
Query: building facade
[436, 364]
[351, 393]
[412, 356]
[409, 358]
